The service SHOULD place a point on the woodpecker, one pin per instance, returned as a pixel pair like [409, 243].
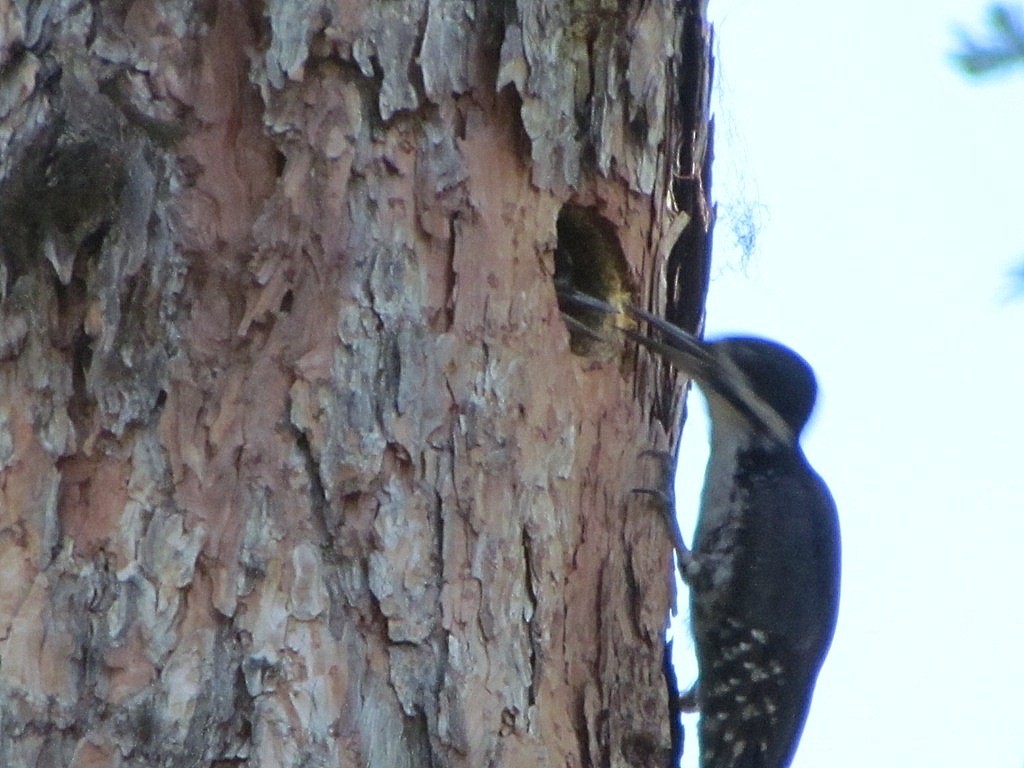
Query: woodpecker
[763, 572]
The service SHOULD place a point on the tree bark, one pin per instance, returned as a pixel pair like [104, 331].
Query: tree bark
[298, 463]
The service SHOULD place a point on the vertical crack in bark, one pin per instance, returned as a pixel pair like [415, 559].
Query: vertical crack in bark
[532, 627]
[318, 500]
[319, 508]
[688, 266]
[448, 310]
[633, 590]
[580, 726]
[675, 725]
[416, 732]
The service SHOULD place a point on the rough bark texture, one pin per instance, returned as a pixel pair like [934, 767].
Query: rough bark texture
[296, 465]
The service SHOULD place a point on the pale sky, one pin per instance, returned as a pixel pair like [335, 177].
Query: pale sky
[889, 190]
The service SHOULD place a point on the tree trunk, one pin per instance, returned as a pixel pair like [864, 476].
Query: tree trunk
[298, 466]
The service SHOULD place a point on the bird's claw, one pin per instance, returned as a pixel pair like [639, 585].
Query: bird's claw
[666, 498]
[687, 701]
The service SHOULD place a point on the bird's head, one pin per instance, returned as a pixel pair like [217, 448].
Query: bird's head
[759, 377]
[767, 384]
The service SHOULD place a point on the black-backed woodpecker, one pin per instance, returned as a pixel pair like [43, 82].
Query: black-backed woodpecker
[764, 568]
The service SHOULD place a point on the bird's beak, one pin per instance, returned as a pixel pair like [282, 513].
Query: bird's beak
[687, 353]
[714, 372]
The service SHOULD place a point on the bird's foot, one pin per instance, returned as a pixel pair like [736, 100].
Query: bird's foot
[687, 700]
[665, 498]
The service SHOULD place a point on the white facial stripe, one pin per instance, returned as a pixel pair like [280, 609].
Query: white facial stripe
[749, 399]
